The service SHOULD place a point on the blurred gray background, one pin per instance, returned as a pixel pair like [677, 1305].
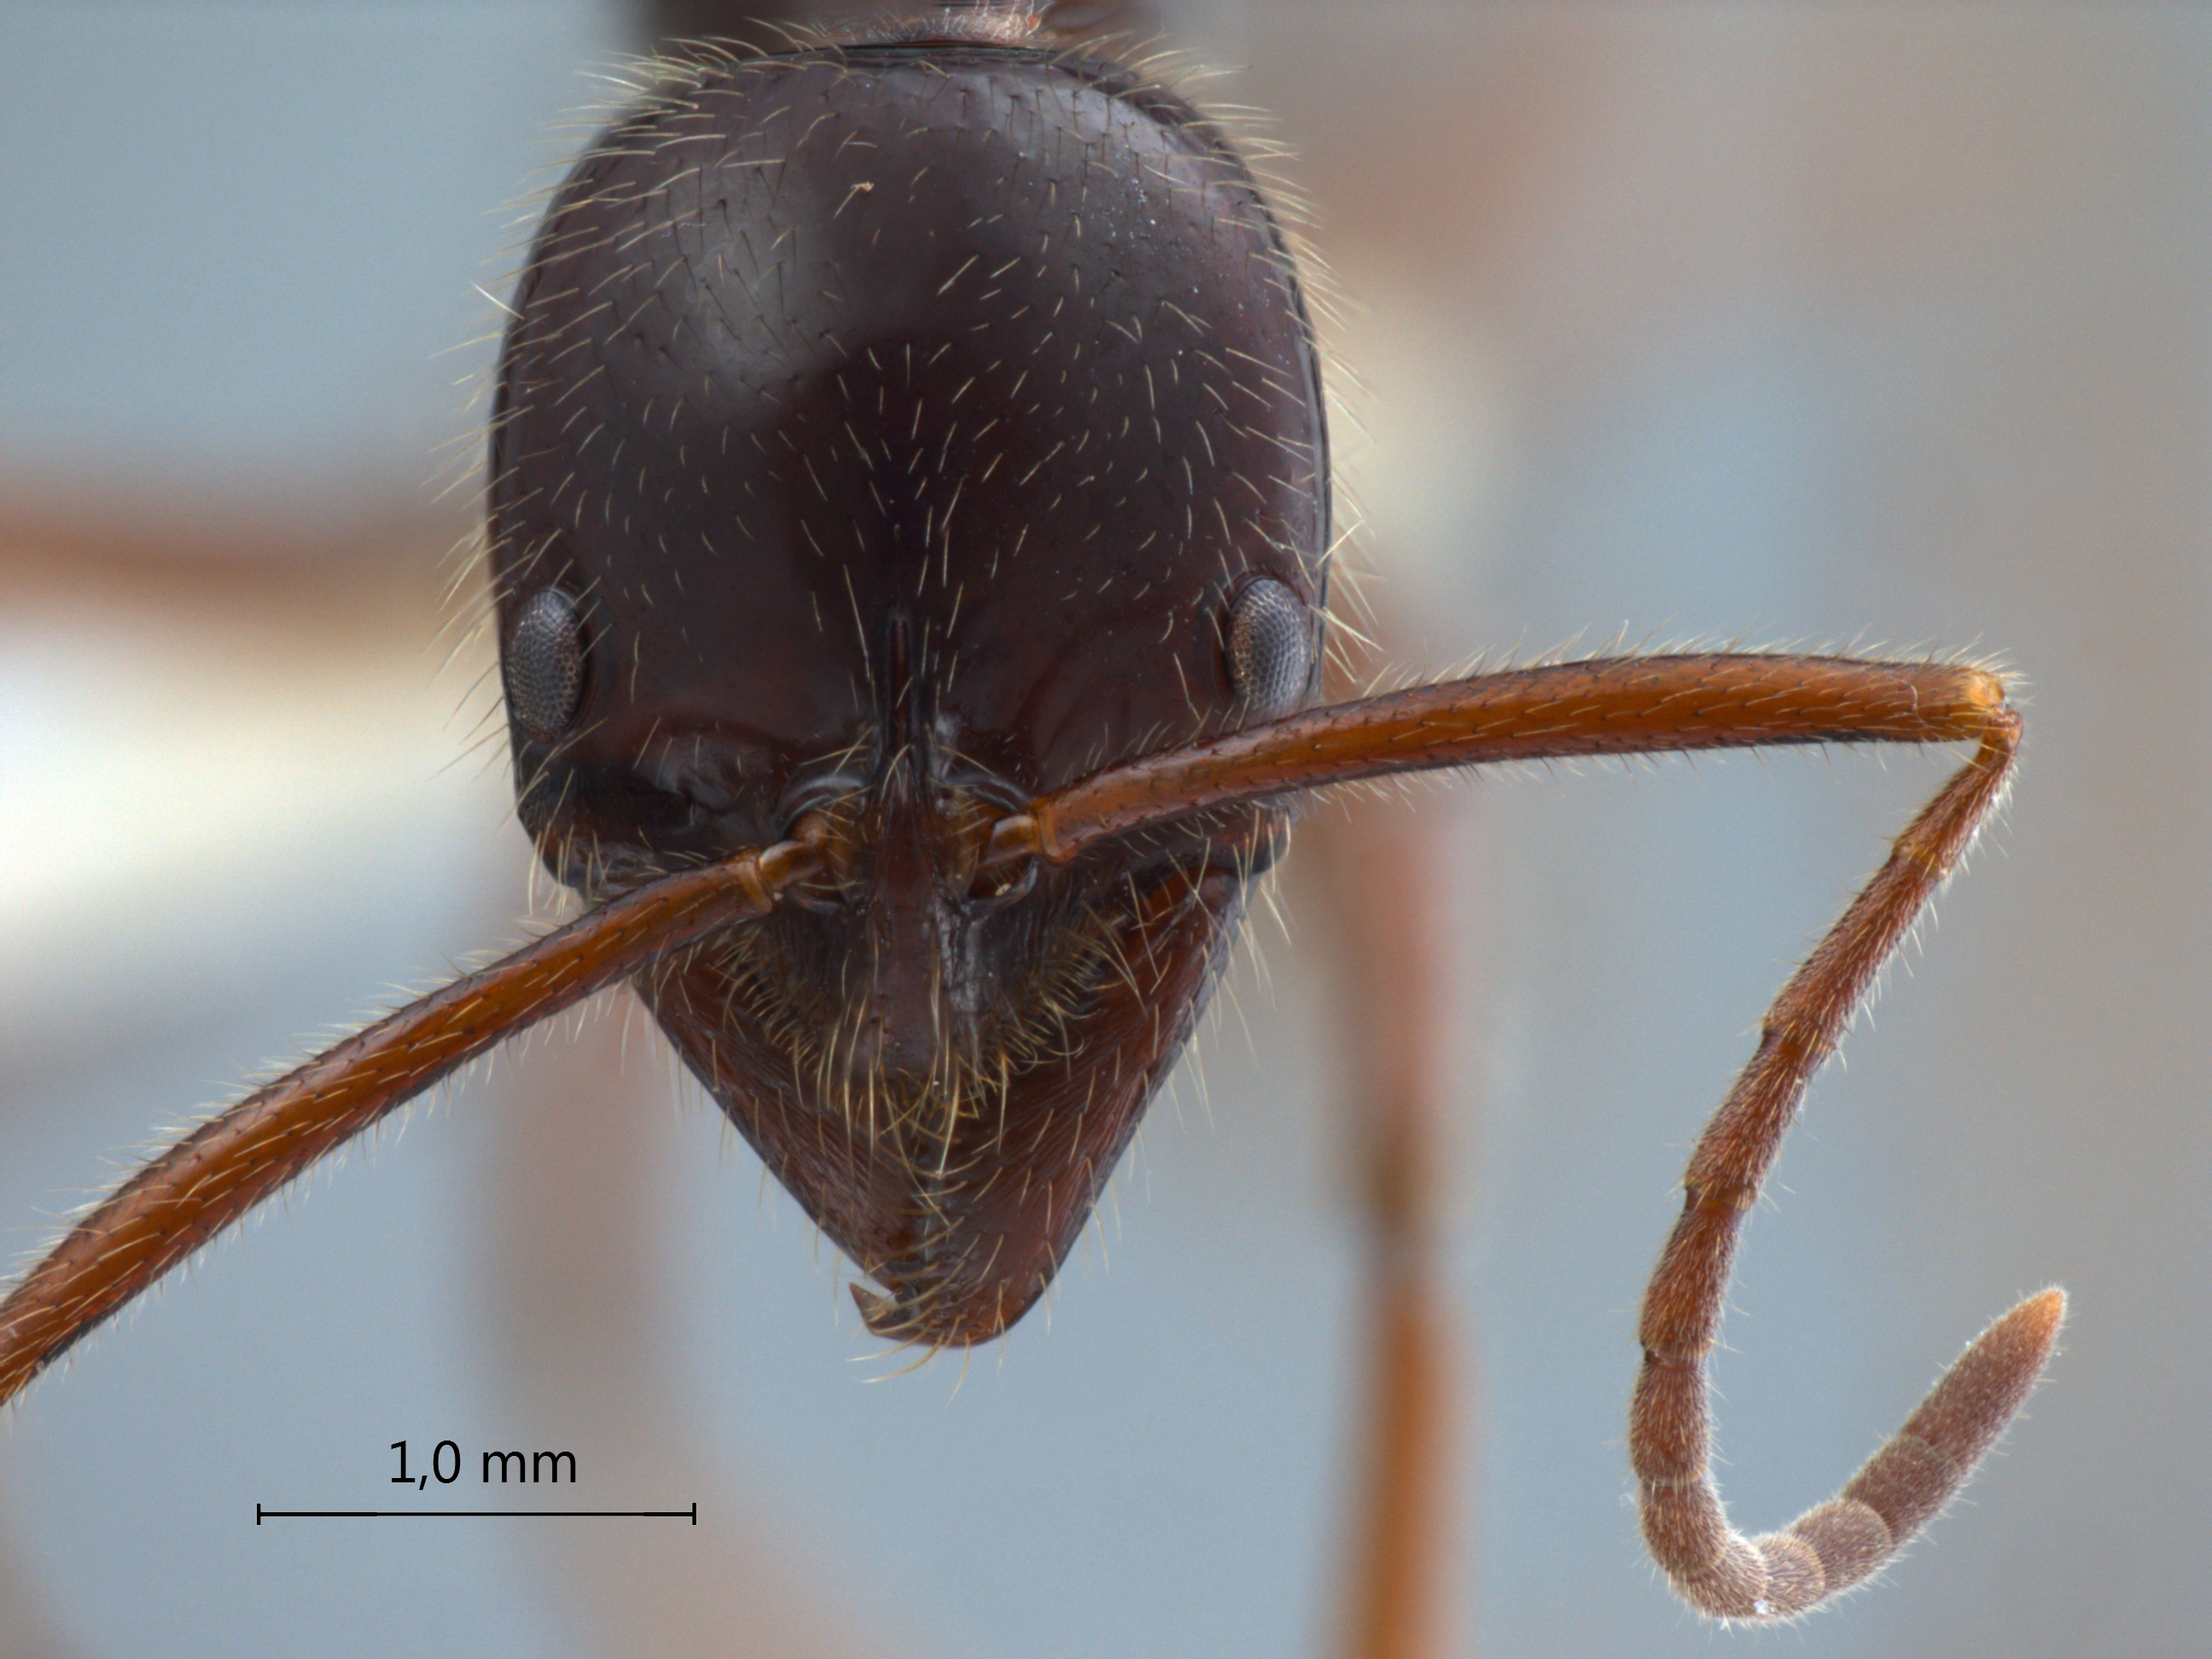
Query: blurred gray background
[1869, 325]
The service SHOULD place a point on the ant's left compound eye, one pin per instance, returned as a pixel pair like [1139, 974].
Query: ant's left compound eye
[1270, 647]
[544, 664]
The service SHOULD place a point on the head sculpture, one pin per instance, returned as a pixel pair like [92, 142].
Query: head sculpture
[887, 434]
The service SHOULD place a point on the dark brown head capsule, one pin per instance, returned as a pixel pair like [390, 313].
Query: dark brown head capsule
[909, 428]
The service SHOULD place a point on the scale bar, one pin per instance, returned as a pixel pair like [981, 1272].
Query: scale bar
[261, 1514]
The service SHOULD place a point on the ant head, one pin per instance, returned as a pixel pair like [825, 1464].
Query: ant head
[888, 434]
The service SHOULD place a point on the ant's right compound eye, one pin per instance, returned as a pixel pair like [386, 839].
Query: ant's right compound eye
[544, 664]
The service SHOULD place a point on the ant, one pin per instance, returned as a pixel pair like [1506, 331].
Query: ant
[929, 889]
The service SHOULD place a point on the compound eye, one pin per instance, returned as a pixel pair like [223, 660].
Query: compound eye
[544, 664]
[1270, 648]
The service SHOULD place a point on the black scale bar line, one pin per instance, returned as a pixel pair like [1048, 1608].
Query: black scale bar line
[261, 1514]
